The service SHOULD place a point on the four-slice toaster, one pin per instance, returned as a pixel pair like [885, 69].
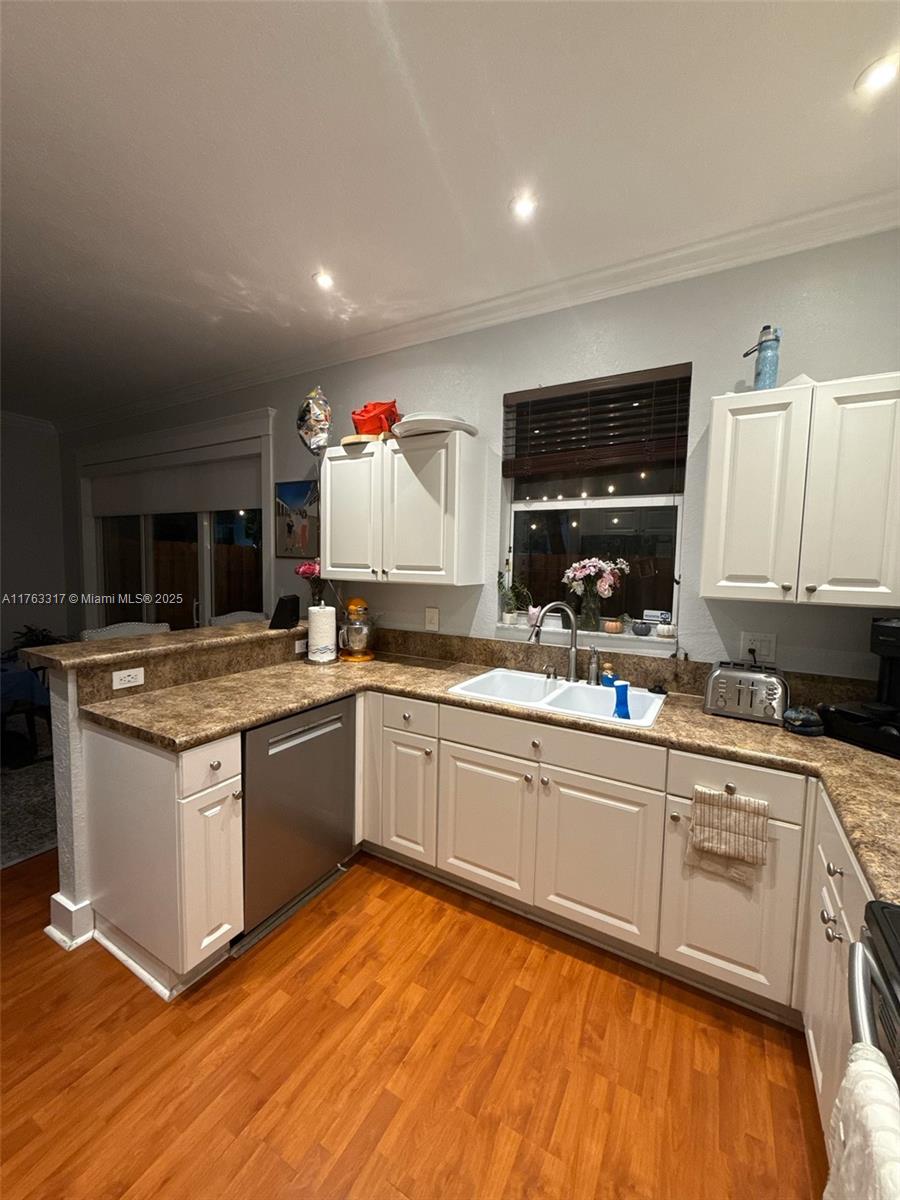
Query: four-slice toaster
[753, 693]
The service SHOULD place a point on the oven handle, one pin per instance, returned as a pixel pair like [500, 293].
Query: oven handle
[864, 974]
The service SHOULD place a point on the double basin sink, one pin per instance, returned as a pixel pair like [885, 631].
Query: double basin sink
[587, 701]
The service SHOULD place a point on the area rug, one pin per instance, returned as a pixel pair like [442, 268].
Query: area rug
[28, 808]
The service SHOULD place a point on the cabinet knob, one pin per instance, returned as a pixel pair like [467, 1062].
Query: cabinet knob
[786, 587]
[528, 778]
[536, 743]
[833, 870]
[429, 752]
[407, 716]
[832, 935]
[826, 918]
[676, 817]
[812, 587]
[374, 570]
[545, 781]
[216, 764]
[238, 795]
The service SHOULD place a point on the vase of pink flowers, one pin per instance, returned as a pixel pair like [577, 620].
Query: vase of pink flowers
[594, 580]
[311, 572]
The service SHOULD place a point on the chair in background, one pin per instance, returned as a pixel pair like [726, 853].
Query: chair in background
[124, 629]
[235, 618]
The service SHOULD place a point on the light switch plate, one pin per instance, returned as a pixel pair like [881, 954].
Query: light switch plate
[300, 645]
[432, 619]
[133, 677]
[765, 645]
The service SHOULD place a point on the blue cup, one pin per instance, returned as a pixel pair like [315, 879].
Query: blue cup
[621, 711]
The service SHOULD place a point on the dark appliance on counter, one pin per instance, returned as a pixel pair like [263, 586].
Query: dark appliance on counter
[299, 779]
[874, 724]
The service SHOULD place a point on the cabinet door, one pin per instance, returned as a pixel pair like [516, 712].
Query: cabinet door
[742, 934]
[817, 984]
[754, 494]
[211, 870]
[599, 854]
[409, 794]
[419, 502]
[488, 819]
[351, 512]
[851, 521]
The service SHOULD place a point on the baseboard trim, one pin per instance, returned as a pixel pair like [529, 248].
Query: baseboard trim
[71, 925]
[155, 974]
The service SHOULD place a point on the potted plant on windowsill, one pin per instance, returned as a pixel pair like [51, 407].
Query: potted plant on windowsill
[594, 580]
[514, 598]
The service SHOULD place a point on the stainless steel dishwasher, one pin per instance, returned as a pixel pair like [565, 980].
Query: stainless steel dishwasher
[298, 807]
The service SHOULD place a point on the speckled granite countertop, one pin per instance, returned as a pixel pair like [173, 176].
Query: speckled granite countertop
[864, 787]
[69, 656]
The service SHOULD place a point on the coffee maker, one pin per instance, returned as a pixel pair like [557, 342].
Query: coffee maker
[874, 724]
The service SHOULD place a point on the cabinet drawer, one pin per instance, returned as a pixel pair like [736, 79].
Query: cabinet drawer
[207, 765]
[784, 792]
[849, 889]
[610, 758]
[413, 716]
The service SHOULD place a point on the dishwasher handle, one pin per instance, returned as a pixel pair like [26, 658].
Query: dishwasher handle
[864, 975]
[306, 733]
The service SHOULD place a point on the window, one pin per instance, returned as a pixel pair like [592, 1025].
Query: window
[597, 471]
[197, 564]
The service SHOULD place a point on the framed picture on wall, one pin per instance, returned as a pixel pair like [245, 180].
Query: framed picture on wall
[297, 519]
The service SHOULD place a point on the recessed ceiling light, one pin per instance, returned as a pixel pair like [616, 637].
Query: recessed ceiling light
[584, 495]
[559, 495]
[324, 280]
[240, 512]
[523, 206]
[879, 75]
[543, 497]
[643, 474]
[574, 524]
[534, 527]
[611, 488]
[615, 520]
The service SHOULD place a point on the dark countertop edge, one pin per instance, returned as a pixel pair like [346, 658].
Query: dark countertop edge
[137, 648]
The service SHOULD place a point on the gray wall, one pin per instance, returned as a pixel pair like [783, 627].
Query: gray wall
[840, 309]
[32, 541]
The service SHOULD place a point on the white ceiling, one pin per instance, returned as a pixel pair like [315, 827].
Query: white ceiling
[175, 172]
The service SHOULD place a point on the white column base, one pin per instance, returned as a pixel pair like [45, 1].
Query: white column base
[71, 924]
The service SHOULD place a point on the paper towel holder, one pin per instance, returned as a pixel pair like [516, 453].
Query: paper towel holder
[286, 614]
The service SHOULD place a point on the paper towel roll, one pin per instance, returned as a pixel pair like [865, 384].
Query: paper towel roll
[322, 630]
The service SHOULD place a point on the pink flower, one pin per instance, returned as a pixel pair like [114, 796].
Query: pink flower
[308, 570]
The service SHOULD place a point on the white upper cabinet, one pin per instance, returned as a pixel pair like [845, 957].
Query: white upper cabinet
[351, 512]
[803, 494]
[850, 551]
[405, 511]
[754, 494]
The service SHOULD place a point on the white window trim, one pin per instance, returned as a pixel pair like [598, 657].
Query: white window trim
[667, 499]
[165, 447]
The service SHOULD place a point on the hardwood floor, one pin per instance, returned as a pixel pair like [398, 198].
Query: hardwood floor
[393, 1041]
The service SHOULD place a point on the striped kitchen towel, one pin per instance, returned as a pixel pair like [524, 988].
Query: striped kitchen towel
[728, 832]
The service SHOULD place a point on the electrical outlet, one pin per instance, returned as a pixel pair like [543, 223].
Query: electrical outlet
[133, 677]
[300, 645]
[432, 619]
[764, 644]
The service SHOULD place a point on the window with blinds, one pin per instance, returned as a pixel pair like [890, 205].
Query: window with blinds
[599, 426]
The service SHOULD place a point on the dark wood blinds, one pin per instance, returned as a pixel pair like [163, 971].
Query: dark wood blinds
[581, 427]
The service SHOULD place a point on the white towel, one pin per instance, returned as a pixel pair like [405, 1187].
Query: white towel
[729, 833]
[864, 1131]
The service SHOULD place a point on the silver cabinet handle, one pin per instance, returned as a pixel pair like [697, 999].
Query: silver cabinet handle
[407, 716]
[812, 587]
[238, 795]
[676, 817]
[536, 743]
[374, 570]
[429, 752]
[833, 870]
[826, 918]
[786, 587]
[216, 765]
[545, 781]
[832, 935]
[528, 778]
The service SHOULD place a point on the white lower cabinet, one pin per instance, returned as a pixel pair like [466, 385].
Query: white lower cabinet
[599, 854]
[488, 819]
[739, 933]
[211, 871]
[409, 795]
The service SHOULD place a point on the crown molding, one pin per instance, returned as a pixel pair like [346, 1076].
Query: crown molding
[838, 223]
[36, 425]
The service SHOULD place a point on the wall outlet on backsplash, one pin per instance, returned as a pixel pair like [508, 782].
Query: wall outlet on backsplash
[765, 645]
[132, 677]
[432, 619]
[300, 645]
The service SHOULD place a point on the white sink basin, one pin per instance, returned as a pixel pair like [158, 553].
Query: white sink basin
[591, 703]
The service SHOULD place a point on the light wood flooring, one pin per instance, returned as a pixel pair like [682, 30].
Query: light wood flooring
[393, 1041]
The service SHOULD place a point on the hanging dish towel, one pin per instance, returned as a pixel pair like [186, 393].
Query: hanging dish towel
[729, 833]
[864, 1131]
